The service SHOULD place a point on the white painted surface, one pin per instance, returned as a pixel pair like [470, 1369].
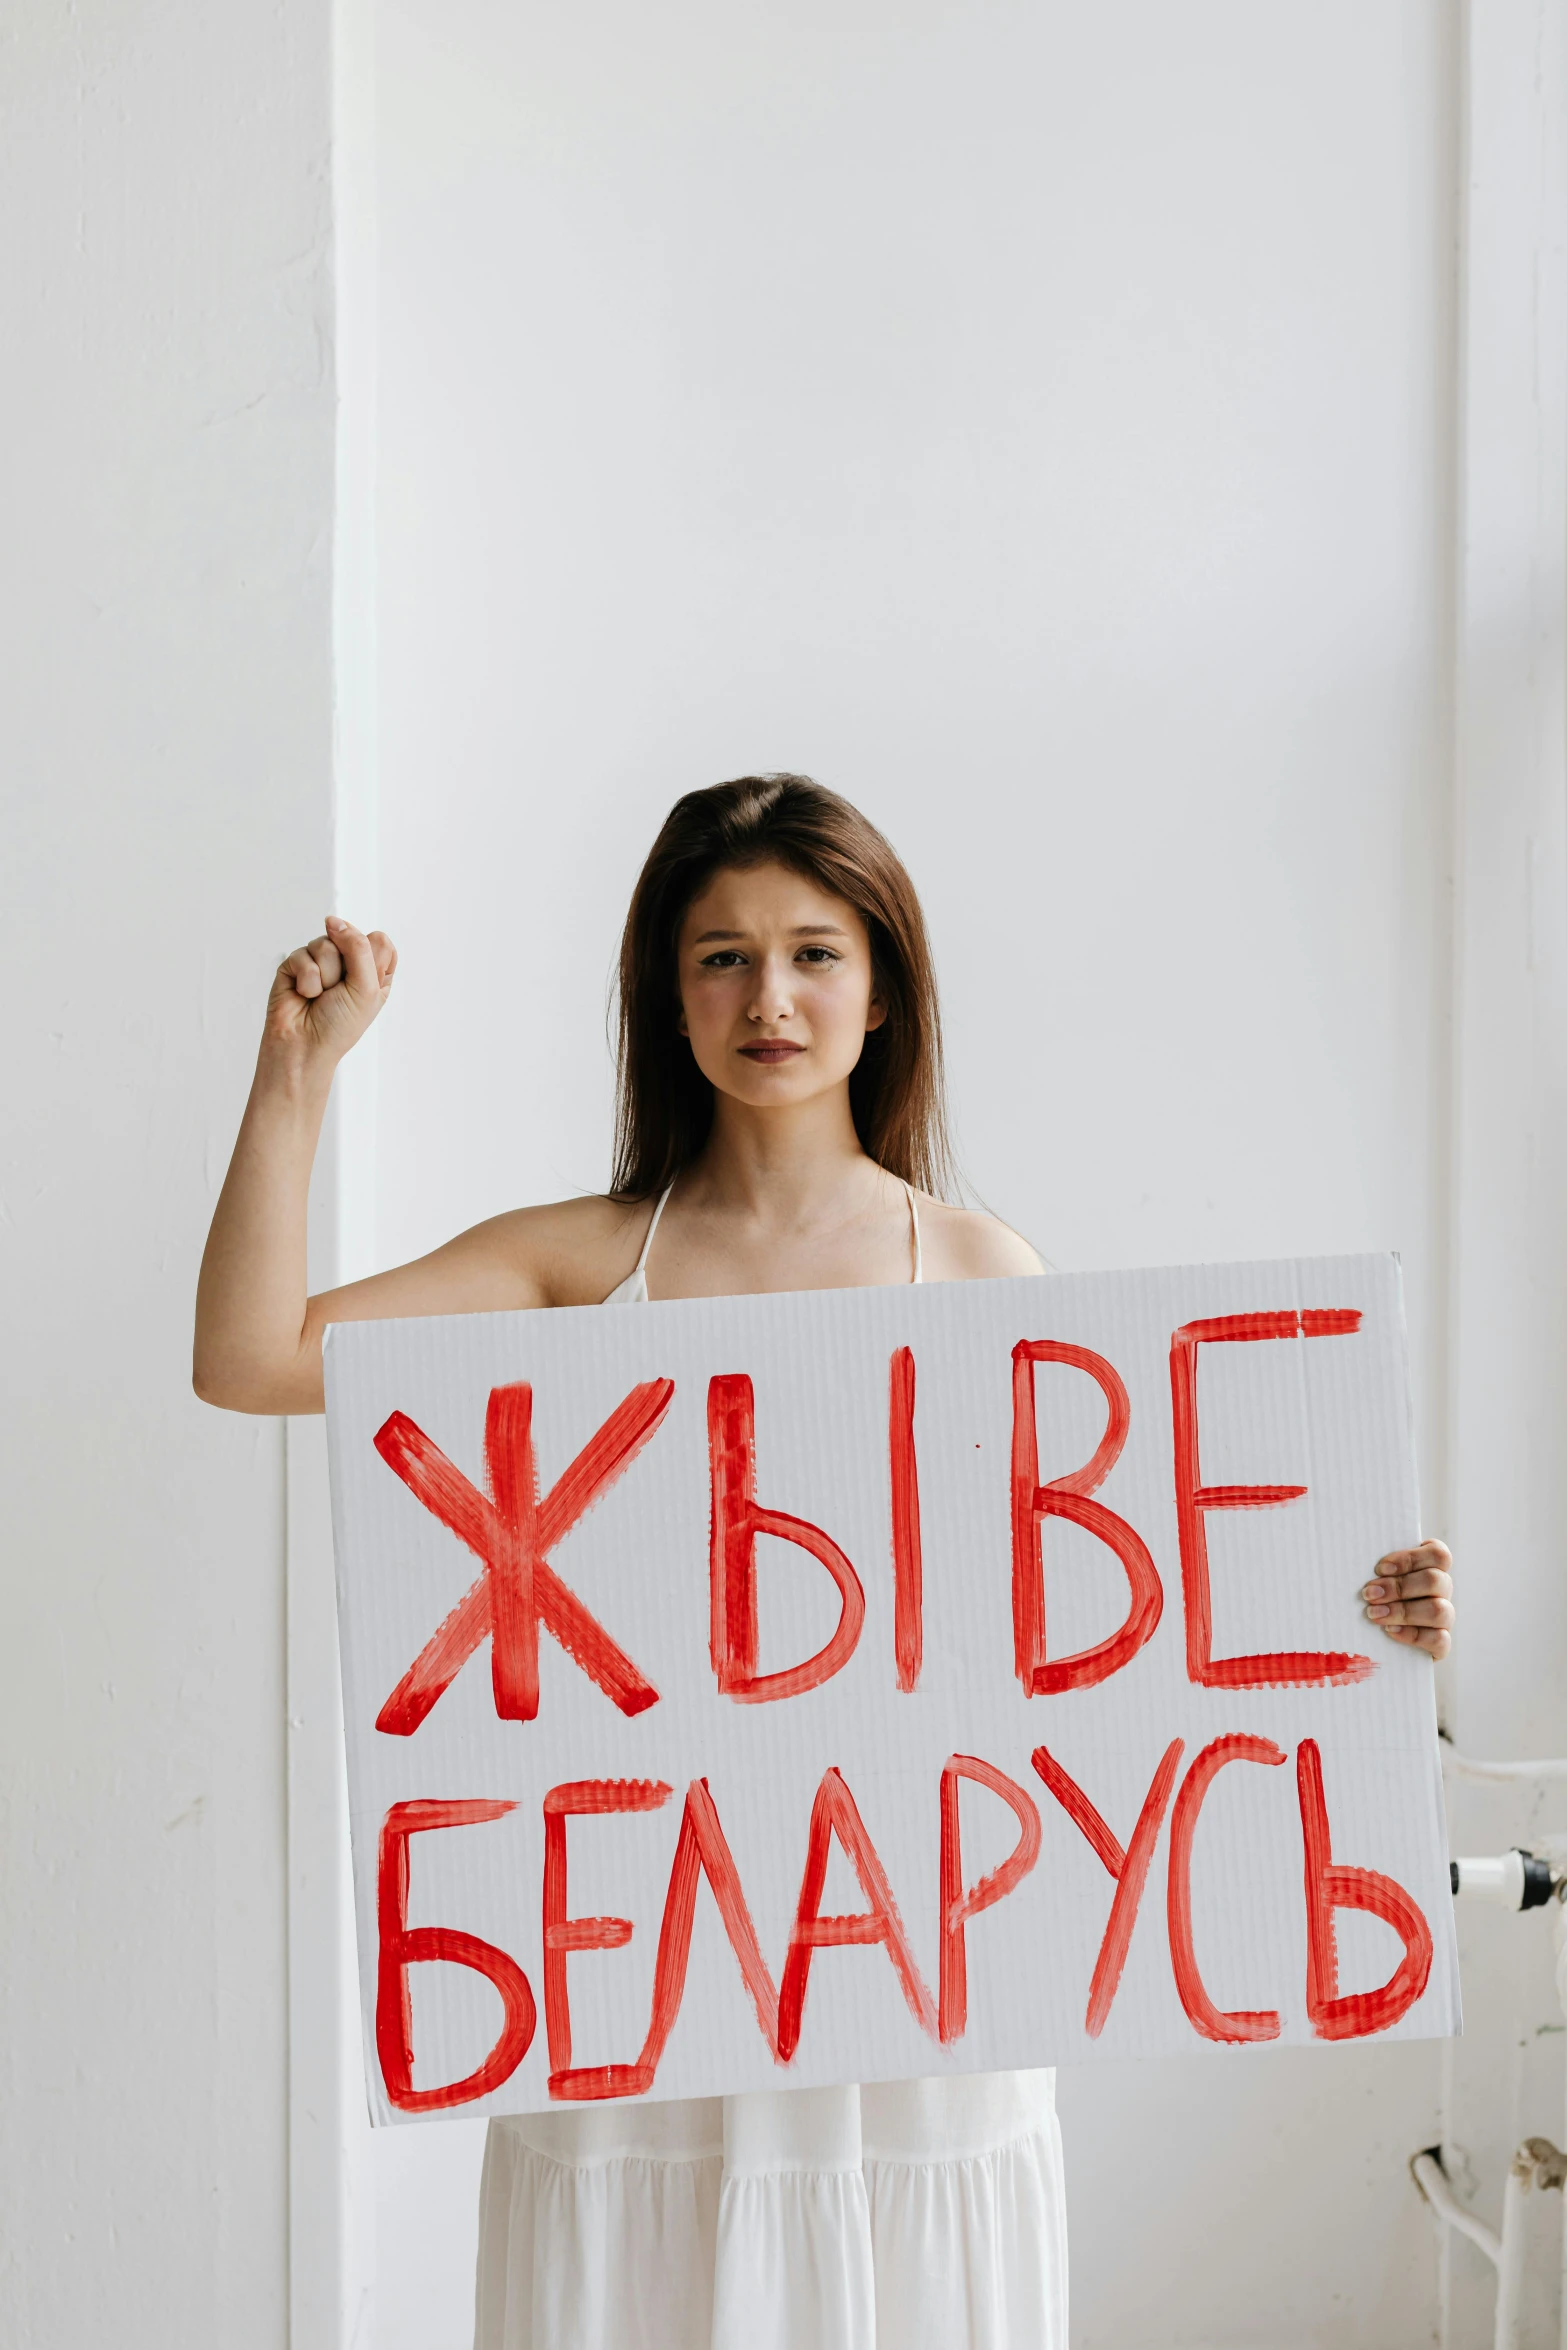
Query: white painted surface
[1037, 424]
[1504, 2080]
[167, 447]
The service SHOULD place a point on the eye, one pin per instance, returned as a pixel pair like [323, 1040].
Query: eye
[724, 959]
[821, 956]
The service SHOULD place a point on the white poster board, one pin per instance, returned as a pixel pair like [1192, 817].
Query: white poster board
[866, 1684]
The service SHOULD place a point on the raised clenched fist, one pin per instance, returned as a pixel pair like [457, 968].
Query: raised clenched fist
[325, 995]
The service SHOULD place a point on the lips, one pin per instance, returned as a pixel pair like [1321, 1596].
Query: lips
[772, 1051]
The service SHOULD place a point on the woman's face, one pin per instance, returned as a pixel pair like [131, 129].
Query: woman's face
[776, 988]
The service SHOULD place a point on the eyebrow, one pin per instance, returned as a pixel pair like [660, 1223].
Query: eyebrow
[800, 930]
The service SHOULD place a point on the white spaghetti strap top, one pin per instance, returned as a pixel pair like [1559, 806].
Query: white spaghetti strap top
[633, 1290]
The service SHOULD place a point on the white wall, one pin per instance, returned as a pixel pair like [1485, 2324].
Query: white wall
[1509, 1169]
[1042, 425]
[166, 401]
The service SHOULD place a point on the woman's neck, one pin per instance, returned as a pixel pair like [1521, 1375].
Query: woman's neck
[785, 1169]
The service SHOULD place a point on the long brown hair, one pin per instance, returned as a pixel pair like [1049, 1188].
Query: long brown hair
[664, 1105]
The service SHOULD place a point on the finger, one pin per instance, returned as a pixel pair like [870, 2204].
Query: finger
[1436, 1612]
[1427, 1583]
[1424, 1583]
[328, 961]
[1424, 1554]
[358, 958]
[302, 968]
[1435, 1644]
[385, 956]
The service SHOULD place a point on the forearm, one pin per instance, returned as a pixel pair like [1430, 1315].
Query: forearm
[253, 1351]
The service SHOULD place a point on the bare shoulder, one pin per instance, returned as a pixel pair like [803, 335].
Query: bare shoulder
[568, 1252]
[571, 1253]
[961, 1244]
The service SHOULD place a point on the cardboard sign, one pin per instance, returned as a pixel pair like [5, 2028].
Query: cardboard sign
[865, 1684]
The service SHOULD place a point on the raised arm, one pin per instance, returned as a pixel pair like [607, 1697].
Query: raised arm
[258, 1332]
[255, 1348]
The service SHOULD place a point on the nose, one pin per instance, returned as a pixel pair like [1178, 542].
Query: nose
[772, 998]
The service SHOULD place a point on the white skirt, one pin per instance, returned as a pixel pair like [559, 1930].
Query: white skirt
[911, 2215]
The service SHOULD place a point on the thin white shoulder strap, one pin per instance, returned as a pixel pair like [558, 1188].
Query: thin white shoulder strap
[914, 1220]
[647, 1237]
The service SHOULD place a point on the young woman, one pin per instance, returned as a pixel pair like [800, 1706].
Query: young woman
[780, 1126]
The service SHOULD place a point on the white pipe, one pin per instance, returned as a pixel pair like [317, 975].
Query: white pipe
[1536, 2162]
[1431, 2179]
[1510, 2267]
[1464, 1766]
[1536, 2165]
[1498, 1879]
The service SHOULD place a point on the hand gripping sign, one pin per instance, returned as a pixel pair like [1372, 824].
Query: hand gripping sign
[874, 1683]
